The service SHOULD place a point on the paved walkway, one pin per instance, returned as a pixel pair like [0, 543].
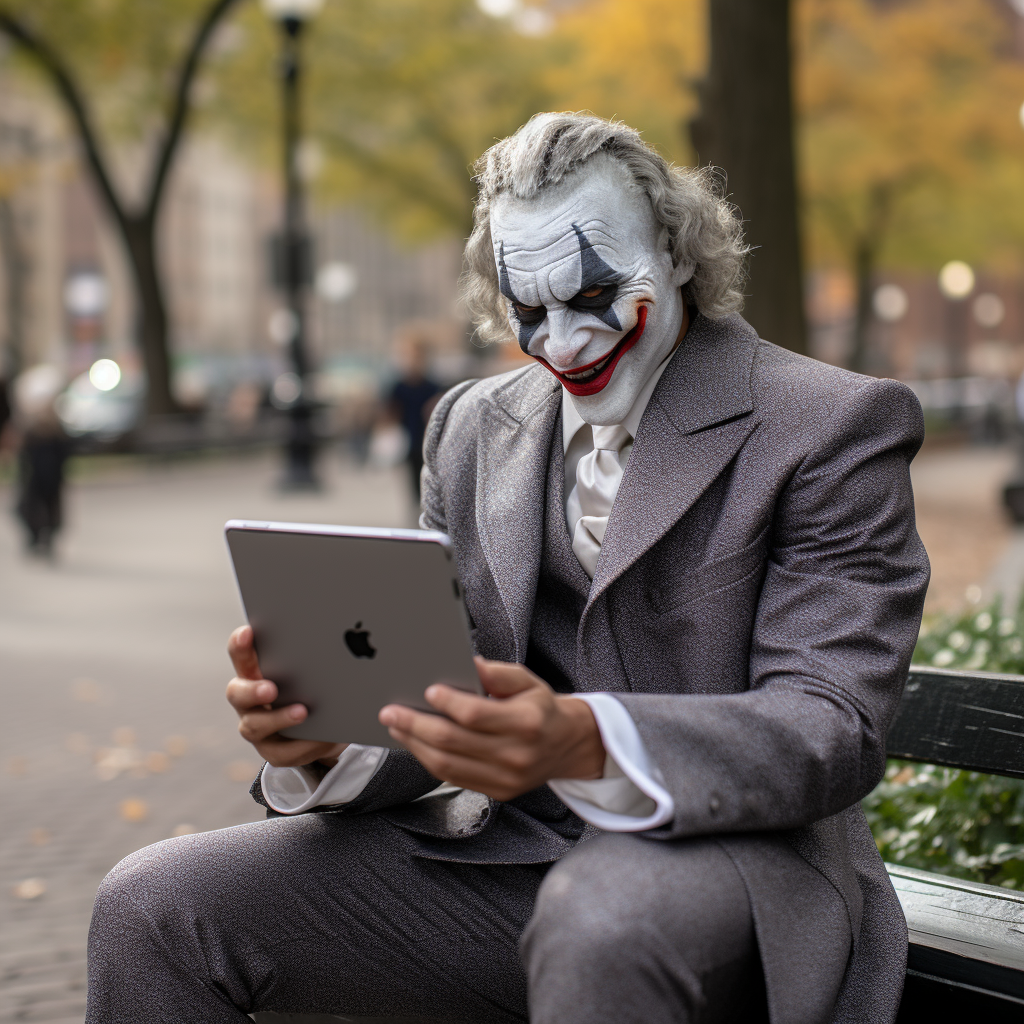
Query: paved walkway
[112, 672]
[962, 522]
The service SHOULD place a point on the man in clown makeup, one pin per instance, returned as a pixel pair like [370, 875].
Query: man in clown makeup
[694, 581]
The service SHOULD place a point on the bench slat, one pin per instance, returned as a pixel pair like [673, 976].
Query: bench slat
[971, 720]
[983, 924]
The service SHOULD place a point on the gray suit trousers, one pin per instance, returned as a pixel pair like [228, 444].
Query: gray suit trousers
[324, 913]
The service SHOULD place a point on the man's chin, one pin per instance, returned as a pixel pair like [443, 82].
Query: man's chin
[607, 407]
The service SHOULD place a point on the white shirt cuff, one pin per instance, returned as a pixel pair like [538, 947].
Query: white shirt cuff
[294, 790]
[631, 796]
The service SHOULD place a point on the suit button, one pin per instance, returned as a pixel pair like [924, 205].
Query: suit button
[713, 805]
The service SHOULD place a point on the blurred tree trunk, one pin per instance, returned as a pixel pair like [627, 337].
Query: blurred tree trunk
[866, 248]
[745, 126]
[136, 225]
[16, 273]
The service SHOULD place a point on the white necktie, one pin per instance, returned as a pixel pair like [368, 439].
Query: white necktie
[598, 476]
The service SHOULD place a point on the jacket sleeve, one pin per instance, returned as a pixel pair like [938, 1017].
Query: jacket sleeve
[432, 515]
[400, 778]
[836, 624]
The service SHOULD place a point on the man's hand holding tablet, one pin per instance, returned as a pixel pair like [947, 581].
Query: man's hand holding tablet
[502, 747]
[518, 738]
[251, 696]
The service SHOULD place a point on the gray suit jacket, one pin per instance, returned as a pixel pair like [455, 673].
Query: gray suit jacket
[754, 607]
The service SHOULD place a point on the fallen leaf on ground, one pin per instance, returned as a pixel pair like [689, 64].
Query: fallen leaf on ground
[157, 761]
[176, 746]
[87, 690]
[29, 889]
[18, 766]
[111, 761]
[184, 829]
[134, 810]
[40, 836]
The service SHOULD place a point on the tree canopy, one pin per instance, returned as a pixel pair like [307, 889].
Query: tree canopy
[401, 97]
[910, 131]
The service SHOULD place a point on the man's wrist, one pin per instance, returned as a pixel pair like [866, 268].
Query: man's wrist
[585, 755]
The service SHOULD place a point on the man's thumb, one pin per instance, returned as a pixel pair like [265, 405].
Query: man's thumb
[243, 654]
[502, 679]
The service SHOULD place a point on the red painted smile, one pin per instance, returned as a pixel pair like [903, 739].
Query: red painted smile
[594, 377]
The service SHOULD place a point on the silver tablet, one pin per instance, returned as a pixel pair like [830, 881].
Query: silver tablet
[347, 619]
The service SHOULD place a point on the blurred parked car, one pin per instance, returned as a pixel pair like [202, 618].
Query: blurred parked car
[103, 404]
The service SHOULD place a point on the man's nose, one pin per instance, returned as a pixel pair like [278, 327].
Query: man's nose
[566, 338]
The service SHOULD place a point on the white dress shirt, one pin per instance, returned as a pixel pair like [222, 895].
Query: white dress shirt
[629, 797]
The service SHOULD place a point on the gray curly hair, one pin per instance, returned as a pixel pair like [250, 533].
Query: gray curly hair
[703, 227]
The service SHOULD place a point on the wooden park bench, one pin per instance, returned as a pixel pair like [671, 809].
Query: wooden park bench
[966, 958]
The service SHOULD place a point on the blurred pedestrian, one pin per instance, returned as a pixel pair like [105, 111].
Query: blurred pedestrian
[413, 398]
[42, 453]
[5, 407]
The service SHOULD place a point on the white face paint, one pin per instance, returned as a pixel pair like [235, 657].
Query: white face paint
[592, 292]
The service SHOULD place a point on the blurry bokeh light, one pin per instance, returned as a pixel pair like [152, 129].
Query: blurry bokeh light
[286, 390]
[336, 281]
[527, 21]
[300, 9]
[956, 280]
[104, 375]
[890, 303]
[498, 8]
[533, 21]
[988, 310]
[86, 294]
[282, 326]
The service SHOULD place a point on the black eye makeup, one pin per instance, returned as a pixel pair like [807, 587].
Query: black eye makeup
[596, 298]
[529, 315]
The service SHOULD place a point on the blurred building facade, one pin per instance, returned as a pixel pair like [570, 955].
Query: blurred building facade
[922, 334]
[66, 291]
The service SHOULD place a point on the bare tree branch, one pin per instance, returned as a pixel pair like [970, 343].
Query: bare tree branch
[181, 106]
[72, 95]
[453, 212]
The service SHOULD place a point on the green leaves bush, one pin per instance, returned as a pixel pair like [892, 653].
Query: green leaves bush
[940, 819]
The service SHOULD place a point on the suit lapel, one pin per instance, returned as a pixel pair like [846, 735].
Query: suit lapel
[696, 421]
[513, 455]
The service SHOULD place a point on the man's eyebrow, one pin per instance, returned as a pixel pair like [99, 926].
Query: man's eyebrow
[504, 285]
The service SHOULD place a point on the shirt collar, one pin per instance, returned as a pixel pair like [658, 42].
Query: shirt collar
[572, 420]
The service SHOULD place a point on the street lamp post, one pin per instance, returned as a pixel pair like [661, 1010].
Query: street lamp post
[294, 257]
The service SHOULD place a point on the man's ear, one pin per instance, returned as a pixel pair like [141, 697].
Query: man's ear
[682, 272]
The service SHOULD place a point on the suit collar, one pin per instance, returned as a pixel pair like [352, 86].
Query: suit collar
[513, 457]
[708, 380]
[696, 421]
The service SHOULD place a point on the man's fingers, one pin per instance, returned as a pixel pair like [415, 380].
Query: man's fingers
[439, 732]
[243, 654]
[505, 679]
[483, 715]
[244, 694]
[256, 725]
[467, 772]
[285, 753]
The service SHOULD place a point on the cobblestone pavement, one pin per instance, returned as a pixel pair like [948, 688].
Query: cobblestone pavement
[112, 672]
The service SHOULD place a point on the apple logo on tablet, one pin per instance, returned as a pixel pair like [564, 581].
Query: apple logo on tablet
[358, 642]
